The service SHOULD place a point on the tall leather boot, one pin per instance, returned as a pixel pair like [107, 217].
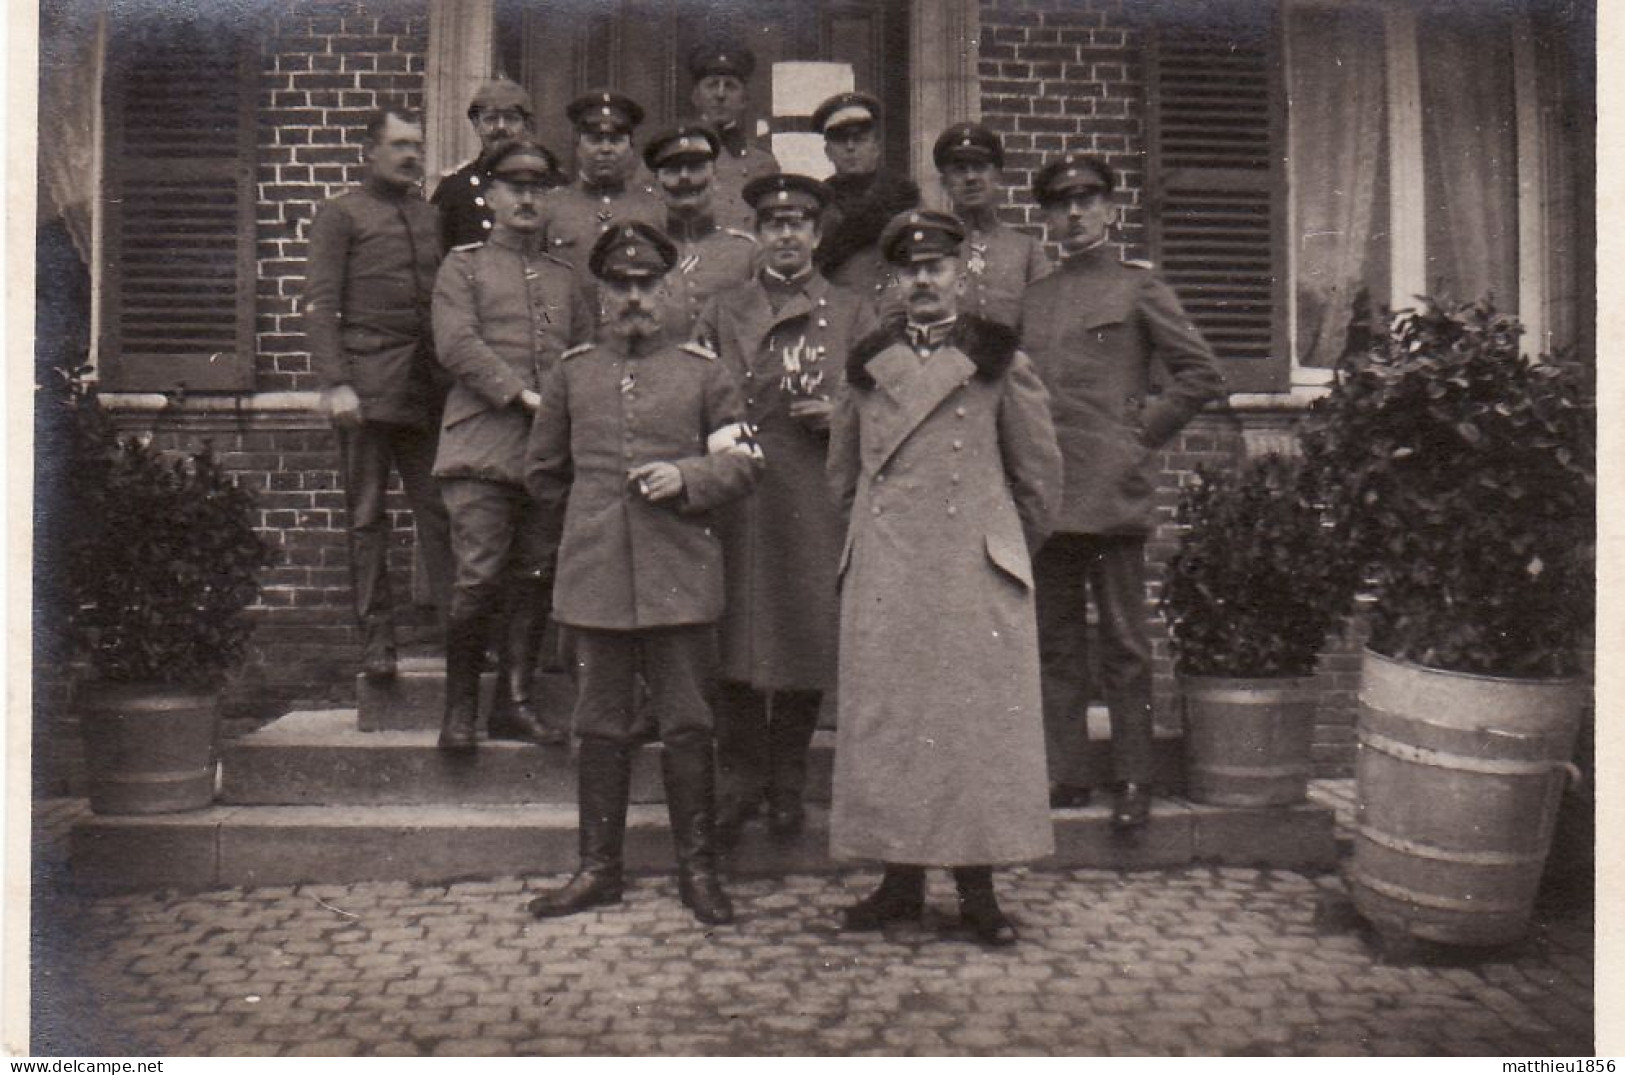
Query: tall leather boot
[901, 896]
[378, 659]
[514, 714]
[790, 730]
[465, 648]
[742, 757]
[603, 786]
[689, 768]
[979, 908]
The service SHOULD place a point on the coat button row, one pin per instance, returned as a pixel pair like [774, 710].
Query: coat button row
[959, 445]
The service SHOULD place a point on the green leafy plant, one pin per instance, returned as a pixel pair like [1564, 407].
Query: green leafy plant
[1255, 585]
[158, 555]
[1460, 478]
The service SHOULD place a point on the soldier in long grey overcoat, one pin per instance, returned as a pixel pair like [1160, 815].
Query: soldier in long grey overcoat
[785, 336]
[943, 452]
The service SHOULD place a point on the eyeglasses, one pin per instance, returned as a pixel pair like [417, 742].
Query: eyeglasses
[507, 117]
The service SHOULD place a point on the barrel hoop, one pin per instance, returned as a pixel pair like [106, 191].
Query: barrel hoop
[1252, 699]
[1546, 744]
[1442, 760]
[1464, 858]
[1442, 903]
[1250, 770]
[170, 777]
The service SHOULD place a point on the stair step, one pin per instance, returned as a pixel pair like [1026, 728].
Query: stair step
[245, 846]
[320, 757]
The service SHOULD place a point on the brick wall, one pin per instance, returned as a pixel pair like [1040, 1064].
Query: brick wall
[326, 66]
[1068, 76]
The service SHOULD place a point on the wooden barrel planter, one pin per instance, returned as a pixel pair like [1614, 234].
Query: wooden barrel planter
[1247, 741]
[1459, 778]
[149, 749]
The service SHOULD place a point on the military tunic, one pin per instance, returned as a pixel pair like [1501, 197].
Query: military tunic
[625, 563]
[999, 264]
[860, 208]
[465, 218]
[711, 259]
[735, 168]
[574, 216]
[783, 542]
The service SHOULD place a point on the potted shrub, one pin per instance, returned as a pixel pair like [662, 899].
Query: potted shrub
[158, 561]
[1460, 477]
[1249, 597]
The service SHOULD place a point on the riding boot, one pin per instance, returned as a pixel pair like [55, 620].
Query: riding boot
[979, 908]
[465, 644]
[901, 896]
[790, 731]
[514, 714]
[378, 659]
[604, 785]
[689, 768]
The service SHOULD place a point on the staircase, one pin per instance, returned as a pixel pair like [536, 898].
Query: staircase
[344, 795]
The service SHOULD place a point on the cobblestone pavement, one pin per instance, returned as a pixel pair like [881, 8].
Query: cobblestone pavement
[1203, 961]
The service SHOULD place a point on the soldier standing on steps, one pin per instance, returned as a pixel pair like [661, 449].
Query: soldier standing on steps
[500, 111]
[720, 70]
[369, 276]
[638, 440]
[503, 313]
[1094, 329]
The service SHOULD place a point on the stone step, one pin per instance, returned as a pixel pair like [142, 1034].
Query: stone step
[319, 757]
[245, 846]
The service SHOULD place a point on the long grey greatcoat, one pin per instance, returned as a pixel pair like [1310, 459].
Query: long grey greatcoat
[783, 542]
[951, 473]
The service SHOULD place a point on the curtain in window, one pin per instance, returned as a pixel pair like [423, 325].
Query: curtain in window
[1338, 130]
[1470, 151]
[72, 37]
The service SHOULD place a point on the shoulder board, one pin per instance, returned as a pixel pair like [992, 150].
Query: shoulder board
[1137, 263]
[578, 349]
[454, 169]
[695, 347]
[463, 248]
[740, 234]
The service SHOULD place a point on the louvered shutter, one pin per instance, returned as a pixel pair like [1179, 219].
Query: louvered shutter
[178, 281]
[1216, 188]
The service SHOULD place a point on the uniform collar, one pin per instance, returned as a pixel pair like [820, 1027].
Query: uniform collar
[518, 241]
[388, 191]
[689, 229]
[1099, 254]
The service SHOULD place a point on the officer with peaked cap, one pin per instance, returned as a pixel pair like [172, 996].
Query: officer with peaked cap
[864, 195]
[605, 192]
[711, 257]
[721, 70]
[500, 111]
[1095, 328]
[943, 453]
[639, 439]
[999, 261]
[503, 313]
[785, 336]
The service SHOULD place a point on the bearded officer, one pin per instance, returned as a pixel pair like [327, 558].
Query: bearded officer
[500, 111]
[999, 261]
[1095, 328]
[785, 336]
[503, 313]
[638, 441]
[721, 71]
[604, 193]
[711, 258]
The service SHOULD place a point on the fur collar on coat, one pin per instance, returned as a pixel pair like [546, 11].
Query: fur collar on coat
[988, 344]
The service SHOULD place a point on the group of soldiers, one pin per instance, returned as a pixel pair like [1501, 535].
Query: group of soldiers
[744, 436]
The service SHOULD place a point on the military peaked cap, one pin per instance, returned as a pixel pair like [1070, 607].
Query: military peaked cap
[967, 142]
[921, 235]
[605, 110]
[845, 110]
[1075, 173]
[721, 58]
[632, 251]
[692, 141]
[498, 94]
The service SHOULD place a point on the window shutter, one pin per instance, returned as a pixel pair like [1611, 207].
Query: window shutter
[1216, 220]
[179, 291]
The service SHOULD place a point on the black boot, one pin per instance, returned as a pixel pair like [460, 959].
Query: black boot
[465, 646]
[603, 786]
[689, 769]
[378, 648]
[742, 753]
[979, 908]
[790, 732]
[900, 897]
[514, 714]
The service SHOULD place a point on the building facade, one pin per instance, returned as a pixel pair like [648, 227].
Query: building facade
[1292, 166]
